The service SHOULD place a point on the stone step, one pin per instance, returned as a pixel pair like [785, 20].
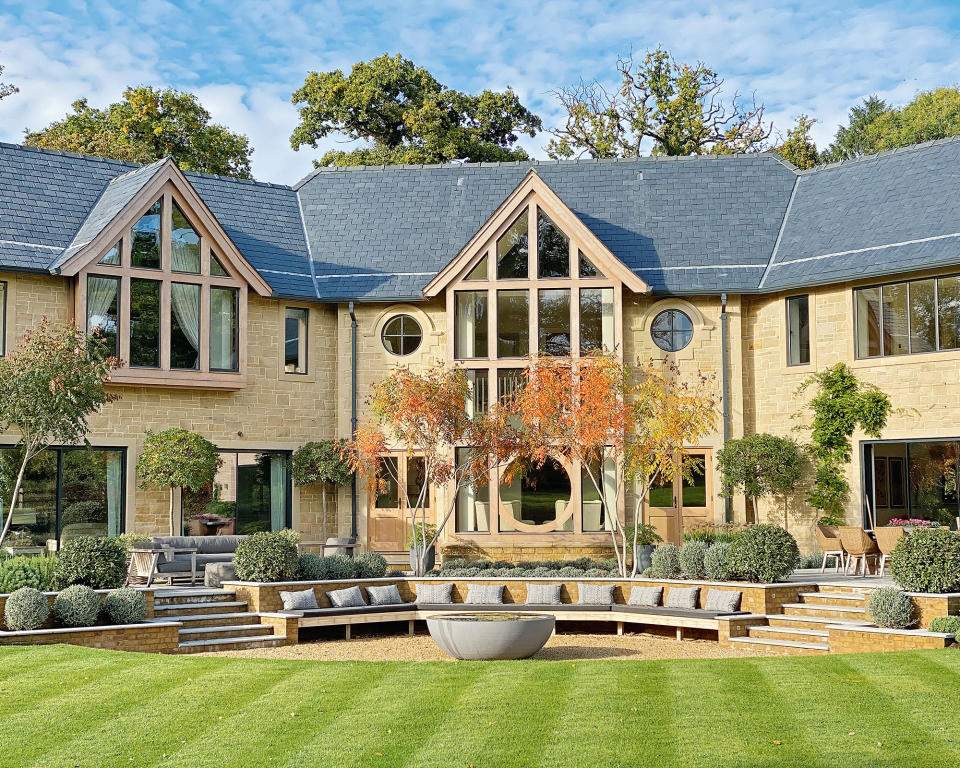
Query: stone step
[188, 609]
[810, 622]
[788, 647]
[831, 611]
[800, 634]
[208, 619]
[833, 598]
[180, 596]
[228, 630]
[231, 643]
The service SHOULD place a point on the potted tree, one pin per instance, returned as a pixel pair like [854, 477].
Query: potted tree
[177, 458]
[646, 538]
[423, 552]
[321, 462]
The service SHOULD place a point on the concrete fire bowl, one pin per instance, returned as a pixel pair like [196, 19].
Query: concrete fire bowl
[476, 636]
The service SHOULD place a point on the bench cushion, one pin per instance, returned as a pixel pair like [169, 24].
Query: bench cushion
[299, 599]
[595, 594]
[352, 611]
[385, 595]
[484, 594]
[435, 593]
[525, 607]
[723, 600]
[687, 613]
[682, 597]
[181, 563]
[351, 597]
[645, 596]
[543, 594]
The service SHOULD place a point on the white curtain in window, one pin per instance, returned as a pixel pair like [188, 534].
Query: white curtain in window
[101, 292]
[184, 255]
[466, 326]
[606, 302]
[185, 301]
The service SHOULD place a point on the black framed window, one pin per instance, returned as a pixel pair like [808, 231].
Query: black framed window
[671, 330]
[798, 330]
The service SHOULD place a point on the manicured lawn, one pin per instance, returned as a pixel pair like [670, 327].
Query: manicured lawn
[67, 706]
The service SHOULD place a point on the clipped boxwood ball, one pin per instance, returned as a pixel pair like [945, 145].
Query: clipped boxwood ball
[26, 609]
[125, 606]
[927, 560]
[76, 606]
[763, 554]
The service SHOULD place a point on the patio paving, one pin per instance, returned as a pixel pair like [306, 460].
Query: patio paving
[833, 579]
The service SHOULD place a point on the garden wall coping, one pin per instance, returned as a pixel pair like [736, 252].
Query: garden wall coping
[500, 579]
[94, 628]
[890, 631]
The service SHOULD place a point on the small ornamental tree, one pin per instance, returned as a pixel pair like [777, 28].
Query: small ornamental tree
[425, 415]
[760, 465]
[177, 458]
[841, 404]
[590, 412]
[321, 462]
[50, 386]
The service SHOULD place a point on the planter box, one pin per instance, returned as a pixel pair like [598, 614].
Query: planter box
[154, 637]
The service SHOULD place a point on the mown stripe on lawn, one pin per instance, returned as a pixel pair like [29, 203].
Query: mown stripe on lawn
[131, 716]
[283, 716]
[615, 713]
[24, 670]
[506, 717]
[385, 721]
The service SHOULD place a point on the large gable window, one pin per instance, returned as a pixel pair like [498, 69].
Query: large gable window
[512, 251]
[167, 301]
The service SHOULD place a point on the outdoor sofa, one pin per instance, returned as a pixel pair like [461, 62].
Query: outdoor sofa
[178, 557]
[620, 613]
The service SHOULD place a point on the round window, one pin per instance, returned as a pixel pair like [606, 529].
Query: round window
[402, 335]
[671, 330]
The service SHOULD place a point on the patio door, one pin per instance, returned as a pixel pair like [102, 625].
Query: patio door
[388, 518]
[674, 507]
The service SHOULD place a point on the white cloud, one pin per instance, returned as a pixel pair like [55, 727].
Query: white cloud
[245, 57]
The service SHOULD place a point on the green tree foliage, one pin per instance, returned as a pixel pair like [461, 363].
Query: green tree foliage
[677, 107]
[760, 465]
[324, 463]
[51, 384]
[851, 140]
[7, 89]
[407, 116]
[798, 148]
[146, 125]
[177, 458]
[842, 403]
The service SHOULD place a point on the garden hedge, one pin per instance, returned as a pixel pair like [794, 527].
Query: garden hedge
[267, 557]
[99, 562]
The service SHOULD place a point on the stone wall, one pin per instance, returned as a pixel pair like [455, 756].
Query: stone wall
[142, 638]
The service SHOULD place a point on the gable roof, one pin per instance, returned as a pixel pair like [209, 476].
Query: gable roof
[687, 225]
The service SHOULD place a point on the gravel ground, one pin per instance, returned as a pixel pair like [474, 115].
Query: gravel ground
[421, 647]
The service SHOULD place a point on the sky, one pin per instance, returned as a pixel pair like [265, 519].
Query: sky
[244, 58]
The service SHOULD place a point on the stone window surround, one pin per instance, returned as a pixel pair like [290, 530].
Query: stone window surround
[164, 375]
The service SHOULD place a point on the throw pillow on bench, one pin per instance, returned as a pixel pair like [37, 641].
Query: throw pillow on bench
[302, 600]
[388, 595]
[682, 597]
[351, 597]
[485, 594]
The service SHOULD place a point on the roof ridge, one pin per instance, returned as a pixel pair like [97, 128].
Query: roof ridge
[534, 162]
[880, 155]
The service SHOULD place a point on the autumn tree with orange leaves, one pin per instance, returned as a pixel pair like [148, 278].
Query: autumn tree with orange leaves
[426, 415]
[594, 411]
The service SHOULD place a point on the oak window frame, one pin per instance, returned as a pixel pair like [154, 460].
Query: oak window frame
[205, 377]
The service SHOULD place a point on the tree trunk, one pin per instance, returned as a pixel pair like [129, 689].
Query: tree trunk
[323, 507]
[13, 497]
[172, 531]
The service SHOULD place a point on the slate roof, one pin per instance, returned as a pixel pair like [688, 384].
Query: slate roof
[692, 225]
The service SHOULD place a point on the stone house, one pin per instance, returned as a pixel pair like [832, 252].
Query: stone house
[260, 315]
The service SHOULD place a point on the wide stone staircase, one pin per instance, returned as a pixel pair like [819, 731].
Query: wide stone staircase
[213, 620]
[801, 628]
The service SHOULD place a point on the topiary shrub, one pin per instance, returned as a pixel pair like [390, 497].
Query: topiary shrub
[716, 562]
[27, 608]
[99, 562]
[340, 568]
[890, 607]
[125, 606]
[928, 560]
[370, 565]
[948, 624]
[691, 559]
[312, 567]
[266, 557]
[764, 554]
[665, 563]
[76, 606]
[36, 572]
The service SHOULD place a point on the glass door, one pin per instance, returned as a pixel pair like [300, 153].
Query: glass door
[677, 506]
[388, 518]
